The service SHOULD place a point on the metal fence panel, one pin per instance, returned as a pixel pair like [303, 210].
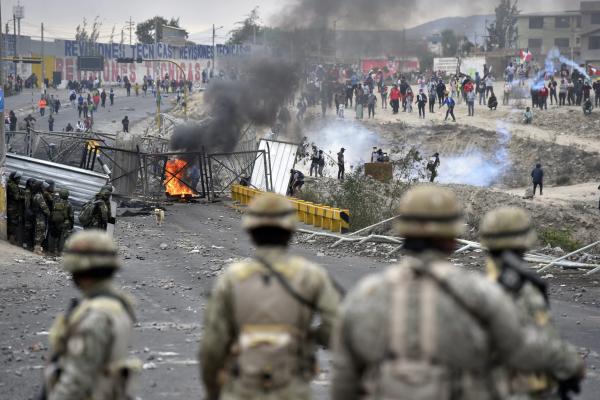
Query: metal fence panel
[82, 184]
[282, 158]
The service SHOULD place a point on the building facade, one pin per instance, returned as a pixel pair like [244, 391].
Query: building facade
[590, 36]
[543, 32]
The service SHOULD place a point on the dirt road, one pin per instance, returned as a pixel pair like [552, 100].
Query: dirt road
[171, 286]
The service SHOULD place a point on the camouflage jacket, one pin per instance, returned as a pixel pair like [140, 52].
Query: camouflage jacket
[14, 195]
[89, 347]
[236, 304]
[39, 205]
[404, 322]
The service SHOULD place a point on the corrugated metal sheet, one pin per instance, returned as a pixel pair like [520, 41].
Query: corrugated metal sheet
[283, 157]
[82, 184]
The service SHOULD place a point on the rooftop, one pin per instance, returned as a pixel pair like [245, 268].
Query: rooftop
[551, 14]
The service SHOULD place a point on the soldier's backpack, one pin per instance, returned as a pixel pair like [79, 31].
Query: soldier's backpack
[59, 212]
[87, 213]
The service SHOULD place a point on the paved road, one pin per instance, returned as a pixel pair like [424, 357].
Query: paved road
[105, 120]
[171, 287]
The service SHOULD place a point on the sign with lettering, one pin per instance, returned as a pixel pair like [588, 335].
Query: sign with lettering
[153, 51]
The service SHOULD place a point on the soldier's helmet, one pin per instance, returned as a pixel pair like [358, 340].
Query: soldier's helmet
[507, 228]
[108, 188]
[30, 183]
[51, 185]
[270, 210]
[64, 194]
[429, 212]
[104, 194]
[15, 175]
[88, 250]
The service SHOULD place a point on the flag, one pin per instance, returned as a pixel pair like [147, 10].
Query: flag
[593, 70]
[525, 55]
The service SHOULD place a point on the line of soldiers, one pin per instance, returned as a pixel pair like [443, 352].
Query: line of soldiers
[41, 218]
[421, 330]
[38, 216]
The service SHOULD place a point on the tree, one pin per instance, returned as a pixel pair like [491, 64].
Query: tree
[502, 33]
[88, 35]
[145, 31]
[449, 43]
[247, 30]
[466, 46]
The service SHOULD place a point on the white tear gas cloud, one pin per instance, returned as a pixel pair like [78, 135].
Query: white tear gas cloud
[395, 14]
[357, 139]
[255, 98]
[473, 167]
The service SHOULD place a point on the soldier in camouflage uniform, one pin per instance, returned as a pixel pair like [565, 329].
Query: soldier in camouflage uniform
[14, 208]
[101, 211]
[69, 223]
[90, 342]
[28, 214]
[507, 233]
[41, 213]
[426, 330]
[259, 340]
[58, 222]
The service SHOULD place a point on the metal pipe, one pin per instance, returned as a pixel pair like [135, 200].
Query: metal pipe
[548, 266]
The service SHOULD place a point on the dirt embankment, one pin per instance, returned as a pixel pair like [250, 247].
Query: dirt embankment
[511, 157]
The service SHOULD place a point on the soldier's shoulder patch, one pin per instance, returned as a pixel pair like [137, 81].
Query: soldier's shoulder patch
[76, 345]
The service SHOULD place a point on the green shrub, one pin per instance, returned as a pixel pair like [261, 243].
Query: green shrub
[558, 238]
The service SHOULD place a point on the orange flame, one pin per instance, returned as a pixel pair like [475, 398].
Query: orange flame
[174, 173]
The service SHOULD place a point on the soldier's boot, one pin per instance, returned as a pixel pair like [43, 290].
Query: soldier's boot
[38, 250]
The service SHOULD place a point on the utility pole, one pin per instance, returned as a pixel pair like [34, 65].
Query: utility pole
[129, 25]
[43, 64]
[3, 233]
[212, 66]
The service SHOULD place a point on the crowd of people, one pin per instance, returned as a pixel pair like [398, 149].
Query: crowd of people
[340, 89]
[40, 216]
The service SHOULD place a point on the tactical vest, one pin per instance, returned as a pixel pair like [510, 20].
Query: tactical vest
[271, 346]
[425, 361]
[116, 378]
[60, 212]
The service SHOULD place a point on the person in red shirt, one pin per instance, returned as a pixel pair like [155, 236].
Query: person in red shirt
[395, 98]
[543, 98]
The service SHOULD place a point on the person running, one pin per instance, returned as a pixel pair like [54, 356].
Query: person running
[450, 103]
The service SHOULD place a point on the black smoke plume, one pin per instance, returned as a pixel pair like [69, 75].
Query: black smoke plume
[256, 98]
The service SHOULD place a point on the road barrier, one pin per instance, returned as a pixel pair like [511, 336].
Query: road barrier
[327, 218]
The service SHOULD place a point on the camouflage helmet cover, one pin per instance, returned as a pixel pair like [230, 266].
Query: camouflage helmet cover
[88, 250]
[64, 194]
[507, 228]
[429, 212]
[270, 210]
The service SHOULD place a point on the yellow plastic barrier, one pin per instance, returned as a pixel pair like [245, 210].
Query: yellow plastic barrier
[324, 217]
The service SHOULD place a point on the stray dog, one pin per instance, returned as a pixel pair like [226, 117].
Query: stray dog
[159, 215]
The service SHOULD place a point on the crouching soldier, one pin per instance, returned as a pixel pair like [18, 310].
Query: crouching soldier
[260, 338]
[89, 343]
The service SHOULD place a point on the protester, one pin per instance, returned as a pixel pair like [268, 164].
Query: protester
[528, 116]
[537, 176]
[450, 103]
[421, 102]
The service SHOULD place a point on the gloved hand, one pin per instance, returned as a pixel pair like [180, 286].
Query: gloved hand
[572, 384]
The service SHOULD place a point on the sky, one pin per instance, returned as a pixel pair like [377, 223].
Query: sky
[61, 17]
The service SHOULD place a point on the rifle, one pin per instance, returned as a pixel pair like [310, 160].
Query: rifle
[515, 274]
[571, 385]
